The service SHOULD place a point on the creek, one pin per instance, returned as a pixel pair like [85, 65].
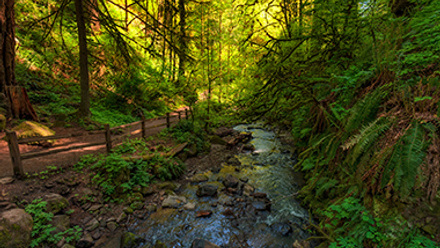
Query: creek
[260, 212]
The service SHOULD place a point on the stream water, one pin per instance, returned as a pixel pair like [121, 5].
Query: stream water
[238, 219]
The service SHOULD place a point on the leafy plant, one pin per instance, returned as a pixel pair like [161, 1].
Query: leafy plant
[42, 231]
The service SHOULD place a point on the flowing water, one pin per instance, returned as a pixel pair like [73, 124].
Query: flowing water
[238, 220]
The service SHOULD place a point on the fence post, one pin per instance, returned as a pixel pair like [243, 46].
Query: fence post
[144, 131]
[180, 117]
[186, 114]
[168, 120]
[108, 138]
[14, 151]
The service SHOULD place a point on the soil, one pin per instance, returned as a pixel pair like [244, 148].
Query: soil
[86, 202]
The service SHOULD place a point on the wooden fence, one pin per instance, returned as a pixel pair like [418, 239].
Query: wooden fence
[17, 157]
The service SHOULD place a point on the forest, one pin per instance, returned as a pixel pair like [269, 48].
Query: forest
[355, 84]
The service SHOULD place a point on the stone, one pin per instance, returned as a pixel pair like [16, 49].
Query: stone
[201, 243]
[301, 244]
[198, 178]
[6, 180]
[97, 234]
[223, 131]
[67, 246]
[281, 228]
[92, 225]
[128, 210]
[189, 206]
[130, 240]
[249, 147]
[207, 190]
[61, 222]
[55, 203]
[15, 228]
[167, 186]
[95, 207]
[151, 208]
[122, 217]
[259, 195]
[114, 241]
[230, 181]
[173, 201]
[149, 190]
[112, 226]
[248, 190]
[85, 242]
[260, 205]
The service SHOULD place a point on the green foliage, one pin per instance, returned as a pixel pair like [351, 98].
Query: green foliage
[405, 160]
[191, 132]
[42, 231]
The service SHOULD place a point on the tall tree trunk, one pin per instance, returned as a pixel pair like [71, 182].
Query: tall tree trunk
[84, 108]
[7, 44]
[183, 47]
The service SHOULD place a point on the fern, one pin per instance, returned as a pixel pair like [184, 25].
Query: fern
[325, 184]
[407, 157]
[365, 110]
[367, 136]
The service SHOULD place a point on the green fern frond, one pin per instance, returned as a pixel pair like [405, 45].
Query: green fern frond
[325, 184]
[362, 141]
[365, 110]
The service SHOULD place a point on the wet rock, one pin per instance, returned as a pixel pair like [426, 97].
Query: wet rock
[228, 212]
[113, 242]
[281, 228]
[201, 243]
[249, 147]
[207, 190]
[244, 179]
[159, 244]
[234, 161]
[248, 190]
[173, 201]
[190, 206]
[6, 180]
[92, 225]
[260, 205]
[85, 242]
[203, 213]
[130, 240]
[15, 228]
[230, 181]
[301, 244]
[55, 203]
[198, 178]
[95, 207]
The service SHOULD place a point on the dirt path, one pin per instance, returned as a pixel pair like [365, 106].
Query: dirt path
[68, 157]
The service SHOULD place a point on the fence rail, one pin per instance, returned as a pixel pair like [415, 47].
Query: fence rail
[17, 157]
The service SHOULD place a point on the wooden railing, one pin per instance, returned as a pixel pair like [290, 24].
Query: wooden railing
[17, 157]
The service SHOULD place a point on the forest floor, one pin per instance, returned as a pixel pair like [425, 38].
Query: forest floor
[86, 205]
[70, 157]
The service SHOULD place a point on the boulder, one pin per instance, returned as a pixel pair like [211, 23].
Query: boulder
[55, 203]
[198, 178]
[33, 129]
[207, 190]
[281, 228]
[85, 242]
[201, 243]
[173, 201]
[230, 181]
[15, 228]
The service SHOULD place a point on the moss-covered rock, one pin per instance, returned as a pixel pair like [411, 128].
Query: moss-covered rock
[130, 240]
[15, 228]
[33, 129]
[218, 140]
[55, 203]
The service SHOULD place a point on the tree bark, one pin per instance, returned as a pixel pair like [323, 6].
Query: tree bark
[84, 108]
[183, 46]
[7, 44]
